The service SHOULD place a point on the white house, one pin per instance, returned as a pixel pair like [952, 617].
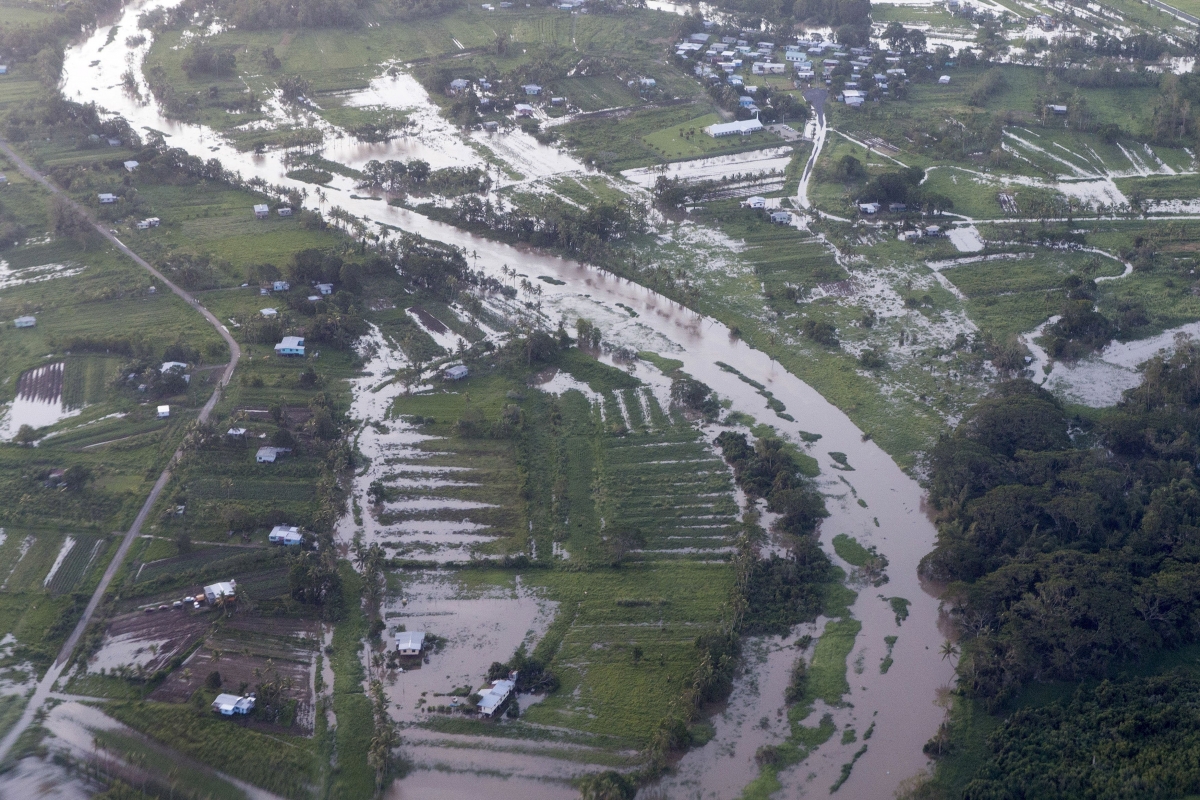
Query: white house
[756, 202]
[742, 127]
[262, 211]
[410, 643]
[767, 68]
[944, 80]
[455, 373]
[269, 312]
[869, 208]
[167, 366]
[532, 89]
[492, 698]
[281, 286]
[236, 433]
[106, 198]
[290, 346]
[266, 455]
[215, 591]
[230, 704]
[523, 110]
[795, 56]
[459, 85]
[647, 83]
[164, 412]
[285, 212]
[781, 217]
[25, 322]
[286, 535]
[325, 288]
[131, 165]
[1057, 109]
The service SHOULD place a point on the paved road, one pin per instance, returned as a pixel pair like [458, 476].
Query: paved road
[46, 685]
[1183, 15]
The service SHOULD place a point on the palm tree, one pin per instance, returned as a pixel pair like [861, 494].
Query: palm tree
[949, 650]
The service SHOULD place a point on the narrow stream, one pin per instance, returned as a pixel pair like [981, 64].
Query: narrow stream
[900, 702]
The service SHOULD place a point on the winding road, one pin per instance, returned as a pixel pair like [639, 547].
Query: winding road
[45, 687]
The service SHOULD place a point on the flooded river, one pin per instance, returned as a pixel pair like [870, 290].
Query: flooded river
[901, 702]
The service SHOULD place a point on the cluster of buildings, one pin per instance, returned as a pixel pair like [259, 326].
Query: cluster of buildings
[262, 211]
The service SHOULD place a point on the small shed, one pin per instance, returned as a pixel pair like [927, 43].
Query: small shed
[25, 322]
[269, 312]
[164, 412]
[410, 643]
[236, 433]
[944, 80]
[131, 165]
[285, 535]
[285, 212]
[325, 288]
[216, 591]
[230, 704]
[1057, 109]
[281, 286]
[262, 211]
[492, 698]
[456, 373]
[107, 198]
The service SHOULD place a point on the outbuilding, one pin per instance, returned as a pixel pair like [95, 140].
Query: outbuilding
[164, 412]
[325, 288]
[106, 198]
[944, 80]
[230, 704]
[236, 433]
[167, 366]
[285, 211]
[281, 286]
[131, 165]
[410, 643]
[25, 322]
[456, 373]
[269, 312]
[266, 455]
[262, 211]
[868, 208]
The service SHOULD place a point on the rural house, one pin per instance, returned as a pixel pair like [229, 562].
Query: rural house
[459, 85]
[230, 704]
[269, 312]
[756, 202]
[106, 198]
[532, 89]
[523, 110]
[410, 643]
[455, 373]
[236, 433]
[290, 346]
[131, 165]
[262, 211]
[492, 698]
[286, 535]
[215, 591]
[325, 288]
[267, 455]
[164, 412]
[285, 211]
[281, 286]
[781, 218]
[25, 322]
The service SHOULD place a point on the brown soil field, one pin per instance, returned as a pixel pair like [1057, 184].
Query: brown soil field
[252, 649]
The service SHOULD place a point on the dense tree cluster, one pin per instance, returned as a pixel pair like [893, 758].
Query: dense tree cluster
[1070, 545]
[1133, 738]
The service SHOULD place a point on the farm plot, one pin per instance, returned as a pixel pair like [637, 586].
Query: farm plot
[246, 651]
[138, 644]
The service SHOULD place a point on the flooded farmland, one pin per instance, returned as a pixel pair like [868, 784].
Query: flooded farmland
[439, 518]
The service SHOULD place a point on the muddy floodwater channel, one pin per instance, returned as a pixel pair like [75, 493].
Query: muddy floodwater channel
[883, 510]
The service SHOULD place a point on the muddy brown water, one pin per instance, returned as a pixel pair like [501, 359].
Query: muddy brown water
[902, 702]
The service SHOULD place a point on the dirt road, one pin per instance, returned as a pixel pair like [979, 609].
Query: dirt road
[46, 685]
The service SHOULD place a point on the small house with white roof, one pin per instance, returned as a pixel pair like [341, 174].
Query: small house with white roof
[230, 704]
[410, 643]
